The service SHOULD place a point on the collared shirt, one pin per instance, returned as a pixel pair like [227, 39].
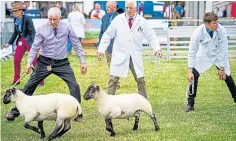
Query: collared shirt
[210, 32]
[19, 23]
[127, 17]
[55, 47]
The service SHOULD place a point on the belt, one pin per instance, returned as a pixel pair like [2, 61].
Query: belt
[53, 60]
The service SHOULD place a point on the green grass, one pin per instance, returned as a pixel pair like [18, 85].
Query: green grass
[214, 118]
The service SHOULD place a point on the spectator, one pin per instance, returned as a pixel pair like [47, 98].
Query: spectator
[128, 31]
[63, 10]
[179, 9]
[52, 38]
[219, 12]
[119, 10]
[97, 13]
[229, 10]
[208, 46]
[77, 22]
[26, 5]
[24, 33]
[225, 11]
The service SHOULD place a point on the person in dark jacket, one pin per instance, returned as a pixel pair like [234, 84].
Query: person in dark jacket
[24, 33]
[63, 10]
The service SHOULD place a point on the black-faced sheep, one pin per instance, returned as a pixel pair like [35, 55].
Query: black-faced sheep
[60, 107]
[121, 106]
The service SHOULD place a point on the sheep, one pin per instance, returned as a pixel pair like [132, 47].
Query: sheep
[123, 106]
[60, 107]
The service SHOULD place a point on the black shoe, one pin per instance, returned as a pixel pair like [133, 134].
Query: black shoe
[10, 117]
[79, 118]
[18, 83]
[188, 108]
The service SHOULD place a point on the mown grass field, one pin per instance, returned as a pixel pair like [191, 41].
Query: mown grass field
[214, 118]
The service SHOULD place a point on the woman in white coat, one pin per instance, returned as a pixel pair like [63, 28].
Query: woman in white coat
[208, 46]
[128, 30]
[77, 22]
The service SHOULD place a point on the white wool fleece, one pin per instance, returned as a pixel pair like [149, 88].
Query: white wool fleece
[47, 107]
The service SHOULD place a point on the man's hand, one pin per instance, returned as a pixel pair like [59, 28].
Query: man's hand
[99, 56]
[158, 53]
[83, 68]
[222, 74]
[190, 76]
[28, 68]
[7, 45]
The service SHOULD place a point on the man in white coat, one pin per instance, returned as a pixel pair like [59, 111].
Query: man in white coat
[128, 30]
[208, 46]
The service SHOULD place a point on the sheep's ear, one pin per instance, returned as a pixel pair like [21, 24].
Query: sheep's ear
[97, 88]
[13, 91]
[93, 84]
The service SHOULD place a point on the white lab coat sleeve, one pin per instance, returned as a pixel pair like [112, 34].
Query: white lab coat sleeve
[107, 36]
[223, 45]
[151, 37]
[193, 48]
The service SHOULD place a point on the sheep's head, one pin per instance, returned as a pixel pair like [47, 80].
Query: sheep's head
[9, 96]
[91, 91]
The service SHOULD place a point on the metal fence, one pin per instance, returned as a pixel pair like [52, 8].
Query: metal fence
[174, 40]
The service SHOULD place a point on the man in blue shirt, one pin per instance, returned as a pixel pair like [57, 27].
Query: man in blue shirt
[179, 9]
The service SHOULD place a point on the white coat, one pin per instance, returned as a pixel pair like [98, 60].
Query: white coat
[77, 21]
[128, 43]
[205, 51]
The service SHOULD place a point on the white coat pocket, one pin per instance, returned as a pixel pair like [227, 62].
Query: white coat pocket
[118, 57]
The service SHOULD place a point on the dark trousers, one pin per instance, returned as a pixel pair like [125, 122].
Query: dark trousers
[191, 96]
[42, 70]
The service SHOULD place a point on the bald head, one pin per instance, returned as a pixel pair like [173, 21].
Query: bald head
[97, 6]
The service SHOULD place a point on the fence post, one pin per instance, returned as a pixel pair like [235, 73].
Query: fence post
[168, 44]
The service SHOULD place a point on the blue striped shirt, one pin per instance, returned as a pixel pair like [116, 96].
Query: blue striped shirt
[55, 47]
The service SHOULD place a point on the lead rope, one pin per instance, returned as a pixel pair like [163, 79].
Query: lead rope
[188, 90]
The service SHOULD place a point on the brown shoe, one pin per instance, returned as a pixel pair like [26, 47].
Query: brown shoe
[10, 117]
[79, 118]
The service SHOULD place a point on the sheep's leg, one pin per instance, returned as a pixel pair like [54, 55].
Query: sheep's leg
[33, 128]
[155, 122]
[67, 127]
[109, 126]
[59, 124]
[42, 133]
[137, 115]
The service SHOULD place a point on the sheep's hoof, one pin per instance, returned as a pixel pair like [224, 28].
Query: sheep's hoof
[42, 137]
[157, 128]
[112, 134]
[135, 127]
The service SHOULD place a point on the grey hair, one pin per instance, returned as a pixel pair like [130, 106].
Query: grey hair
[112, 2]
[54, 11]
[133, 2]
